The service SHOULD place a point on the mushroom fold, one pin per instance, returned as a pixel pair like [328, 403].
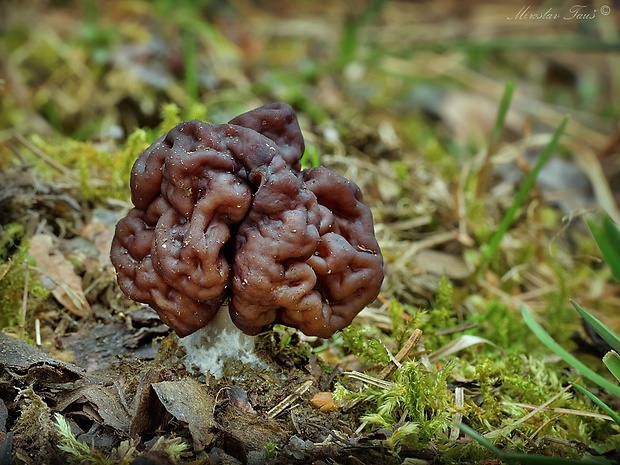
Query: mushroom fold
[224, 212]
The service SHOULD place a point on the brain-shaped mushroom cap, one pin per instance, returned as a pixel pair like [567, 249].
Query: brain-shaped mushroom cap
[223, 212]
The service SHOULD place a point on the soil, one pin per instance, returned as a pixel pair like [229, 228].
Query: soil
[114, 392]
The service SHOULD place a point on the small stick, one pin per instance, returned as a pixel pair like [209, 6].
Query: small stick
[24, 308]
[43, 156]
[459, 400]
[403, 353]
[37, 332]
[407, 347]
[288, 400]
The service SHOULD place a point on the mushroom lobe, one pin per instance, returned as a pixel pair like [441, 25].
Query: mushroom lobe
[224, 212]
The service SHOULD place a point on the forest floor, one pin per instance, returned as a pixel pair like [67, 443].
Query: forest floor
[440, 112]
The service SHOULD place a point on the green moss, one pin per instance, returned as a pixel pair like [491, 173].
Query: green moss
[17, 273]
[101, 174]
[401, 171]
[497, 322]
[401, 326]
[418, 400]
[507, 383]
[427, 400]
[365, 343]
[417, 405]
[430, 321]
[171, 116]
[283, 343]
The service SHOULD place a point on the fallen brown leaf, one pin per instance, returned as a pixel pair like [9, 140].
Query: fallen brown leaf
[188, 401]
[58, 275]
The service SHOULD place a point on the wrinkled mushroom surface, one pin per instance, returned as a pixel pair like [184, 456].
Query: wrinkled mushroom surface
[224, 212]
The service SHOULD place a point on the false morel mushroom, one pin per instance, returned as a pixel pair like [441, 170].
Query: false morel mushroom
[224, 213]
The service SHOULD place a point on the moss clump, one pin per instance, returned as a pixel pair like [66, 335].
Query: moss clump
[497, 322]
[285, 346]
[34, 430]
[416, 406]
[365, 344]
[507, 388]
[100, 172]
[430, 321]
[18, 277]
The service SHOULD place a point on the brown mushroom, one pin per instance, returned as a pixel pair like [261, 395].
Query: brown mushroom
[223, 212]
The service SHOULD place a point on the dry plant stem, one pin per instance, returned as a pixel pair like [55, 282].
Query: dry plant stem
[37, 332]
[402, 354]
[43, 156]
[610, 146]
[288, 400]
[591, 166]
[563, 411]
[22, 322]
[543, 426]
[536, 410]
[461, 204]
[459, 401]
[429, 242]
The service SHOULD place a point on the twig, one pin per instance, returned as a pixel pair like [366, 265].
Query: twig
[288, 400]
[380, 381]
[535, 411]
[403, 353]
[43, 156]
[459, 401]
[22, 323]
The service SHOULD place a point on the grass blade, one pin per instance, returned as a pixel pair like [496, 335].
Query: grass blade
[527, 184]
[546, 339]
[612, 362]
[479, 438]
[513, 458]
[190, 68]
[607, 237]
[504, 105]
[543, 460]
[350, 32]
[602, 405]
[601, 329]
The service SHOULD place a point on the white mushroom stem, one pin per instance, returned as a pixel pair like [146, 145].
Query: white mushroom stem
[209, 348]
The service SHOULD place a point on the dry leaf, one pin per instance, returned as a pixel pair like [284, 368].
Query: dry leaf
[188, 401]
[58, 275]
[100, 231]
[102, 404]
[458, 344]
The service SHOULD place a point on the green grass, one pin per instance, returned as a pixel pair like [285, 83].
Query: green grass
[492, 247]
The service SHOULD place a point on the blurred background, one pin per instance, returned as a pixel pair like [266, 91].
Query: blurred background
[102, 68]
